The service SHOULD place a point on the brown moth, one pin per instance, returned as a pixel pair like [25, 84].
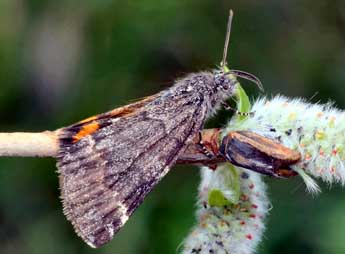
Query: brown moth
[108, 163]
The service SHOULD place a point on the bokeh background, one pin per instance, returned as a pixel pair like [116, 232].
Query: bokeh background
[61, 61]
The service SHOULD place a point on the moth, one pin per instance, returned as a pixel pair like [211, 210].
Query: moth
[109, 163]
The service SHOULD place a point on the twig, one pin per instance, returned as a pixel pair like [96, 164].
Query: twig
[26, 144]
[46, 144]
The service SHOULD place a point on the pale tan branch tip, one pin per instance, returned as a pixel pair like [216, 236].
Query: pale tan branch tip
[46, 144]
[26, 144]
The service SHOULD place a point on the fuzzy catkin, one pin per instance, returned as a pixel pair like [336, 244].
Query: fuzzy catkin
[316, 131]
[234, 228]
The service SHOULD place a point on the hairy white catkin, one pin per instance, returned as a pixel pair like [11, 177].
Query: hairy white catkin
[236, 228]
[316, 131]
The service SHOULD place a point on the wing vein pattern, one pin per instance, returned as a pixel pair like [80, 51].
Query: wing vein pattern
[106, 175]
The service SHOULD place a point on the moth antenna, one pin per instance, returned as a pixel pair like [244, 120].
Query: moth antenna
[247, 76]
[227, 39]
[237, 73]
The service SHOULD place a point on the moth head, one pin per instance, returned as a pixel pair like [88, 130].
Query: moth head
[223, 80]
[227, 79]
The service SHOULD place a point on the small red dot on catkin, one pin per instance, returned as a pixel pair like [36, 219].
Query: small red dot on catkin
[252, 215]
[251, 186]
[334, 151]
[254, 206]
[249, 237]
[242, 222]
[244, 198]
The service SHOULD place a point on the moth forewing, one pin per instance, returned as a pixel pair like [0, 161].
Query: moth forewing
[109, 163]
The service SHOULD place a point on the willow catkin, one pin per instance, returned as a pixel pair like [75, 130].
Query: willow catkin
[236, 227]
[316, 131]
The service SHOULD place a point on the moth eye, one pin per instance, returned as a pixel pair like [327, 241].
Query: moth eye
[225, 84]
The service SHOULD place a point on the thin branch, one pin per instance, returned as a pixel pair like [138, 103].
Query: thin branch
[26, 144]
[46, 144]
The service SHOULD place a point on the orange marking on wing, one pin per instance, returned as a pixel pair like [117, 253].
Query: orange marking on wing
[90, 124]
[86, 130]
[123, 111]
[89, 119]
[131, 108]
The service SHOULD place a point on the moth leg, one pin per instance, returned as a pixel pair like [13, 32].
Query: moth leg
[208, 153]
[204, 149]
[229, 108]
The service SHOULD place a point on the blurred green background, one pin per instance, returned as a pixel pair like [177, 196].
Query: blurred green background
[61, 61]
